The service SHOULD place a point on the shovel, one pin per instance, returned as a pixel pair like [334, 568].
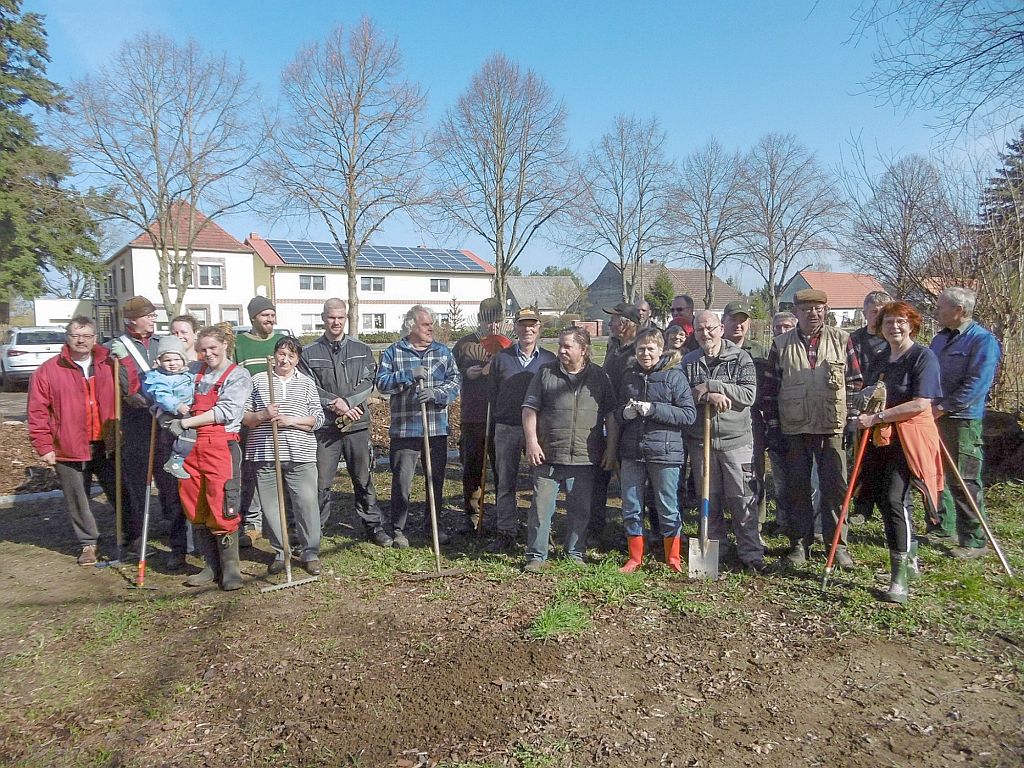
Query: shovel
[140, 578]
[703, 560]
[118, 491]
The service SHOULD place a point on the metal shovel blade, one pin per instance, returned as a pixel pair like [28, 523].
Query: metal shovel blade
[703, 561]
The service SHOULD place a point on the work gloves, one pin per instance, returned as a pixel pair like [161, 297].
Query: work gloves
[419, 373]
[636, 408]
[429, 395]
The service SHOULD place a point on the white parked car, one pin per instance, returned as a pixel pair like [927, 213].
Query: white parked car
[24, 350]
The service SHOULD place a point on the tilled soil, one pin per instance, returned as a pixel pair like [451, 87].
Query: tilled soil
[370, 668]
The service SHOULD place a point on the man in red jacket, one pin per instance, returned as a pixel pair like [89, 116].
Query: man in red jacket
[70, 416]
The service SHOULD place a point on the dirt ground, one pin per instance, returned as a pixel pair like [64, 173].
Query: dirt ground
[372, 667]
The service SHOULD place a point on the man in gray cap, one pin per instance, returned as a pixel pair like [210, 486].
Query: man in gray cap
[474, 361]
[252, 349]
[810, 378]
[736, 328]
[138, 347]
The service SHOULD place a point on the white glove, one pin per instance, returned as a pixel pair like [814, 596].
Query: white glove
[629, 412]
[644, 409]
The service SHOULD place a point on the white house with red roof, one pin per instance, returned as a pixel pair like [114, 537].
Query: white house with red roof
[222, 274]
[845, 291]
[299, 275]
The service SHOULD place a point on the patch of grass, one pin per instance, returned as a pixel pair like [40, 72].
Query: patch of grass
[560, 619]
[543, 756]
[603, 583]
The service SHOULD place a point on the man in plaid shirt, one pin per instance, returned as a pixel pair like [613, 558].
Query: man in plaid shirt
[807, 399]
[417, 371]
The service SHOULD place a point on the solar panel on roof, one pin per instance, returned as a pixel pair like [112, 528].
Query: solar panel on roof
[314, 253]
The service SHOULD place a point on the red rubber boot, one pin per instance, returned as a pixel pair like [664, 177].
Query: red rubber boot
[672, 553]
[636, 554]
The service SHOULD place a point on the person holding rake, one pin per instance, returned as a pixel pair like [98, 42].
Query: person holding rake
[903, 451]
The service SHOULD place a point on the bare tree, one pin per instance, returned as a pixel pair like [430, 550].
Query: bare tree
[898, 219]
[163, 130]
[622, 213]
[347, 151]
[502, 159]
[707, 210]
[791, 210]
[964, 58]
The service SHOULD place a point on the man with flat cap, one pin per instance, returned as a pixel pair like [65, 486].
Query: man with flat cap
[473, 361]
[810, 378]
[252, 349]
[137, 349]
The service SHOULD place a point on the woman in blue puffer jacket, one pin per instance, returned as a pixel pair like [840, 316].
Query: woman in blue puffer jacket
[656, 404]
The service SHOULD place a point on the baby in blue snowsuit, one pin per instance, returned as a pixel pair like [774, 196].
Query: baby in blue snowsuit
[171, 388]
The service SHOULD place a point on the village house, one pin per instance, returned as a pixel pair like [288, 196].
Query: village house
[845, 291]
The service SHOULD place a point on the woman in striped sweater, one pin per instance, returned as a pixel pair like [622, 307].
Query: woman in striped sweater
[297, 412]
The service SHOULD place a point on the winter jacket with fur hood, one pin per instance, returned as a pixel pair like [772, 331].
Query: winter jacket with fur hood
[656, 438]
[732, 374]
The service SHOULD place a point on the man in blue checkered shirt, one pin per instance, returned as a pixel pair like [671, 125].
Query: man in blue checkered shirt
[417, 371]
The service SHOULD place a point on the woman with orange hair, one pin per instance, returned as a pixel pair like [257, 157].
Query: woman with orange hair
[904, 449]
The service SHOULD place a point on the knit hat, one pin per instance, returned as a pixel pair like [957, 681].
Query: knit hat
[259, 304]
[171, 345]
[490, 311]
[136, 307]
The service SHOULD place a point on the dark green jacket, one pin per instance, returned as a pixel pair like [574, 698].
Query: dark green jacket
[571, 413]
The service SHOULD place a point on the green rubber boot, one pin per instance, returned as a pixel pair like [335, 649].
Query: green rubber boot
[897, 592]
[231, 577]
[207, 546]
[913, 566]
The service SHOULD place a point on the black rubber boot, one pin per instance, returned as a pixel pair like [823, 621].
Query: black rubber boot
[897, 592]
[207, 547]
[913, 566]
[231, 576]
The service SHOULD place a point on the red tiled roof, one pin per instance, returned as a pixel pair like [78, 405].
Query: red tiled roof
[267, 254]
[210, 237]
[845, 289]
[488, 267]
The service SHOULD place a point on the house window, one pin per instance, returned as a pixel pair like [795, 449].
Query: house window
[312, 283]
[124, 280]
[210, 275]
[373, 322]
[375, 284]
[231, 315]
[444, 319]
[310, 323]
[201, 314]
[439, 285]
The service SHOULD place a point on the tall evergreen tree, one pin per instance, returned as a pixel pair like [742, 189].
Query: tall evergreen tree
[43, 223]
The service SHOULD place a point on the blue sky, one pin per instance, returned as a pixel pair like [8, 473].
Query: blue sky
[732, 70]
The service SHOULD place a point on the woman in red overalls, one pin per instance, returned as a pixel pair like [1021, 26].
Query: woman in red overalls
[210, 496]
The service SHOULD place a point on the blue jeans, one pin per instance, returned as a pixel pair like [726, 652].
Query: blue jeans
[664, 478]
[508, 445]
[578, 480]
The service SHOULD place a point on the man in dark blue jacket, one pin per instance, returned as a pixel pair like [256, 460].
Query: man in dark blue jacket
[511, 372]
[968, 355]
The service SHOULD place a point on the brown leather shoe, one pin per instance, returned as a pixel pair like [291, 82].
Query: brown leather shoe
[312, 567]
[88, 556]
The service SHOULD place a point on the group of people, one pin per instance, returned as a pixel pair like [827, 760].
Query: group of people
[643, 414]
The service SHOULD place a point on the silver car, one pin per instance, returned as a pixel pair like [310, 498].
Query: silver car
[24, 350]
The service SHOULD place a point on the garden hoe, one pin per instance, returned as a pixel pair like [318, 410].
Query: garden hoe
[703, 560]
[118, 490]
[283, 517]
[875, 404]
[140, 578]
[431, 503]
[974, 508]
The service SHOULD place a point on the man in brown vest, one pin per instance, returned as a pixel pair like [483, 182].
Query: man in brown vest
[810, 377]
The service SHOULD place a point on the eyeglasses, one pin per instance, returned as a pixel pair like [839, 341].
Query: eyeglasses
[901, 321]
[708, 329]
[81, 336]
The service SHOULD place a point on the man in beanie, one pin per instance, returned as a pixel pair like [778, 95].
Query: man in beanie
[137, 350]
[474, 362]
[252, 349]
[810, 378]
